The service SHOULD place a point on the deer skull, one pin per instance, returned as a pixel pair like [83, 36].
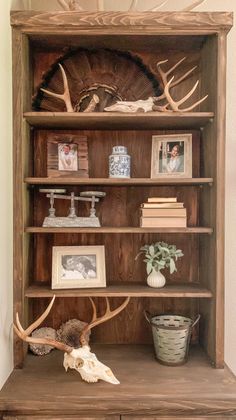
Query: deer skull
[88, 366]
[81, 359]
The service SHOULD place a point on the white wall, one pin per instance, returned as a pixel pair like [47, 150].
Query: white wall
[6, 175]
[5, 195]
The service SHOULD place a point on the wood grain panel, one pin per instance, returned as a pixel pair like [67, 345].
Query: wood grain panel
[147, 388]
[120, 121]
[134, 417]
[18, 210]
[52, 417]
[100, 145]
[120, 252]
[155, 21]
[136, 330]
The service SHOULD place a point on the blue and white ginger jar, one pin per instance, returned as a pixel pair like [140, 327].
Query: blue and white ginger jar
[119, 163]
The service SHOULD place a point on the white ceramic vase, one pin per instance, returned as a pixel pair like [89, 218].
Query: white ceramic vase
[156, 279]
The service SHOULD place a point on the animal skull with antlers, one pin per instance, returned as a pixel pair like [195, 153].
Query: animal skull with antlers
[170, 104]
[150, 104]
[81, 359]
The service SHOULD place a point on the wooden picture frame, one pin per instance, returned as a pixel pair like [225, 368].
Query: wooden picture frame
[78, 267]
[67, 156]
[171, 156]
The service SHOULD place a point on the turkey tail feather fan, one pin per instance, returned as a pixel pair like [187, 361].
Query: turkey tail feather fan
[111, 75]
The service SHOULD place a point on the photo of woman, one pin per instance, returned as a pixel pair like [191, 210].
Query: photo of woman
[78, 267]
[171, 156]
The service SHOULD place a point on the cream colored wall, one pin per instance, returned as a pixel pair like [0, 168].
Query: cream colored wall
[5, 195]
[6, 171]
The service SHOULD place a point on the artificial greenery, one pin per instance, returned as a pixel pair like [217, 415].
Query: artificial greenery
[160, 255]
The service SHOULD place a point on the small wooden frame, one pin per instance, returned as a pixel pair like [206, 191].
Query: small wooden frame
[67, 155]
[78, 267]
[172, 156]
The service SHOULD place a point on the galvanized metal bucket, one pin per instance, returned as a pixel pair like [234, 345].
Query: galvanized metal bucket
[171, 337]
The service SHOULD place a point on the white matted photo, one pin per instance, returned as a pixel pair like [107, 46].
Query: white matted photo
[172, 156]
[78, 267]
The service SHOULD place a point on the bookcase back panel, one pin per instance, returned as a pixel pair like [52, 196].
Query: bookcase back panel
[100, 143]
[43, 62]
[130, 326]
[120, 253]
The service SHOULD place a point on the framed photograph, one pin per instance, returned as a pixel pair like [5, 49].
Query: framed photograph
[67, 156]
[77, 267]
[172, 156]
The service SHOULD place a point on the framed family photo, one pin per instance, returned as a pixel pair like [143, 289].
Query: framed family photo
[172, 156]
[67, 156]
[78, 267]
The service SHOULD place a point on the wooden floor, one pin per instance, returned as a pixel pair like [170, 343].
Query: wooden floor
[195, 389]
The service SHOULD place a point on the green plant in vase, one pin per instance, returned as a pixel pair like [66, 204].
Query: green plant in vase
[158, 256]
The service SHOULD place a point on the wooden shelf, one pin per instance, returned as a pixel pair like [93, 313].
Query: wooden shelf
[146, 386]
[36, 229]
[121, 121]
[118, 182]
[133, 290]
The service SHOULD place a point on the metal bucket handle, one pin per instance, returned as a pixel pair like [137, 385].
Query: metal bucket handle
[149, 317]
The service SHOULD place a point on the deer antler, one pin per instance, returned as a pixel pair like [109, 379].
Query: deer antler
[96, 321]
[193, 5]
[64, 96]
[170, 84]
[164, 75]
[70, 5]
[24, 334]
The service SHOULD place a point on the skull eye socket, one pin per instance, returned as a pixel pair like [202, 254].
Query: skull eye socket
[79, 363]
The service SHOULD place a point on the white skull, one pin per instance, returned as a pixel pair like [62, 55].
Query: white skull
[89, 367]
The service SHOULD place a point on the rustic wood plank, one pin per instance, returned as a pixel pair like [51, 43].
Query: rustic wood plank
[176, 418]
[207, 203]
[220, 196]
[188, 230]
[133, 290]
[126, 20]
[43, 386]
[58, 417]
[18, 205]
[117, 181]
[113, 120]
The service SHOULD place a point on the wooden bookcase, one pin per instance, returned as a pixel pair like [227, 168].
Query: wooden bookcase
[198, 286]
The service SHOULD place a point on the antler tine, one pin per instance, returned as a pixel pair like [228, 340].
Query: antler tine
[19, 326]
[193, 5]
[133, 5]
[63, 4]
[154, 9]
[164, 75]
[24, 334]
[175, 104]
[94, 310]
[96, 321]
[64, 96]
[39, 321]
[195, 104]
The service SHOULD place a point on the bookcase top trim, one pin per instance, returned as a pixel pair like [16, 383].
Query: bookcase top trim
[152, 21]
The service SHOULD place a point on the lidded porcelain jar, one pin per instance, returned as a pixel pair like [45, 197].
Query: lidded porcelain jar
[119, 163]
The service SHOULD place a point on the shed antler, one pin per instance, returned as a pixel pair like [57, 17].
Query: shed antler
[24, 334]
[174, 105]
[99, 320]
[64, 96]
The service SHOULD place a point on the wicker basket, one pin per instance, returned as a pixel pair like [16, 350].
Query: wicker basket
[171, 336]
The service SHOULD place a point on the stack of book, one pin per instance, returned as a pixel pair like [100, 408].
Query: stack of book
[163, 212]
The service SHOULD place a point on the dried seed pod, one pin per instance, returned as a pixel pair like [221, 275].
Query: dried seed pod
[69, 333]
[42, 349]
